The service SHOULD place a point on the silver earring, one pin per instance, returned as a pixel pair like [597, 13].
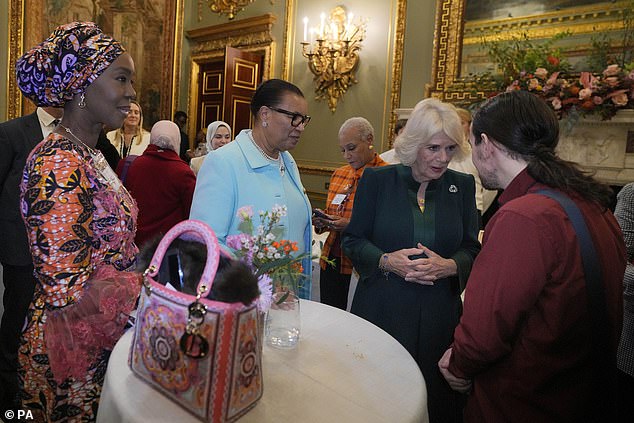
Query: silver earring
[264, 124]
[82, 101]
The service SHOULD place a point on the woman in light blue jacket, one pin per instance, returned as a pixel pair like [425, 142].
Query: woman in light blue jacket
[256, 170]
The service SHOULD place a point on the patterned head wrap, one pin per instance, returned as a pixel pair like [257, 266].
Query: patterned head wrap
[66, 63]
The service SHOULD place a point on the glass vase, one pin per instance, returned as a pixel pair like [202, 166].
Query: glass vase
[283, 321]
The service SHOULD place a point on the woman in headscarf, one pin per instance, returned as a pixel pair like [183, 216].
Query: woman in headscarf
[130, 139]
[80, 222]
[218, 134]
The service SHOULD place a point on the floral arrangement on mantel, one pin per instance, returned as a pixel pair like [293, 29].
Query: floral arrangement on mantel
[540, 68]
[602, 94]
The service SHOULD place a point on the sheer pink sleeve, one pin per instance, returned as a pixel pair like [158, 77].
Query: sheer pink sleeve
[76, 334]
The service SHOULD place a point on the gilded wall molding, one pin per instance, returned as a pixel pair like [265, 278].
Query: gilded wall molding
[548, 24]
[316, 170]
[288, 48]
[15, 32]
[243, 33]
[397, 66]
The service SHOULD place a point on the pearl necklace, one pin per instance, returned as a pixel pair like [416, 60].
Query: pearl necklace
[266, 156]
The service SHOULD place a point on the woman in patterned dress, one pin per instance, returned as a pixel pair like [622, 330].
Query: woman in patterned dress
[80, 222]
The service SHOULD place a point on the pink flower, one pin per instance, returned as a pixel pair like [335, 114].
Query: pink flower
[612, 70]
[585, 94]
[597, 100]
[265, 285]
[533, 84]
[553, 78]
[244, 213]
[620, 99]
[541, 73]
[236, 242]
[612, 81]
[587, 80]
[556, 103]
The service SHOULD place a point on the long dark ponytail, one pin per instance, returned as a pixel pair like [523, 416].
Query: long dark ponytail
[525, 125]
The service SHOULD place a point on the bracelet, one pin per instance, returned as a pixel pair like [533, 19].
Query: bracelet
[383, 265]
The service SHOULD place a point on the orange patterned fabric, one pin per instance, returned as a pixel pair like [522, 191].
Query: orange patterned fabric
[76, 222]
[343, 181]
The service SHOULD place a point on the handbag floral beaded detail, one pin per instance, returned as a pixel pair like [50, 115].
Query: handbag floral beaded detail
[202, 354]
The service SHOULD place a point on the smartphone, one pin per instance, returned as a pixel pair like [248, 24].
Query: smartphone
[319, 213]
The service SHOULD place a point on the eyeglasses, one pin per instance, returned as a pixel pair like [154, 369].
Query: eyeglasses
[296, 118]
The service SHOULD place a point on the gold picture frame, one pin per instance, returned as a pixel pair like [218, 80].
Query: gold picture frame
[157, 56]
[448, 84]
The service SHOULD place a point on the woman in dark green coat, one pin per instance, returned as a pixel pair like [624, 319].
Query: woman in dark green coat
[413, 237]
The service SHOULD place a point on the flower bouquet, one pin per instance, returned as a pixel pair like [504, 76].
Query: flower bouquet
[602, 94]
[278, 268]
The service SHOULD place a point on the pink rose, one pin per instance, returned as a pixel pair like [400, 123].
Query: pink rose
[244, 213]
[620, 99]
[556, 103]
[585, 94]
[597, 100]
[541, 73]
[612, 81]
[533, 84]
[612, 70]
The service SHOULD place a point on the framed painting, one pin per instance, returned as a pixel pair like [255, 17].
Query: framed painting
[463, 25]
[151, 31]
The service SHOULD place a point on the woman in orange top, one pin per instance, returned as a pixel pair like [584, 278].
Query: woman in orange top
[355, 140]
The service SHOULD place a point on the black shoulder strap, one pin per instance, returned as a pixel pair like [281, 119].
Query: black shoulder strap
[126, 165]
[604, 377]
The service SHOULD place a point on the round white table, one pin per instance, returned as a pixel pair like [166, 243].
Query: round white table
[344, 369]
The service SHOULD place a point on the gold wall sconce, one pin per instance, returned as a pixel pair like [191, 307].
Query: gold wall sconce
[228, 7]
[332, 50]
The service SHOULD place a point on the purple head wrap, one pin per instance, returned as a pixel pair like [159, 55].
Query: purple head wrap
[63, 65]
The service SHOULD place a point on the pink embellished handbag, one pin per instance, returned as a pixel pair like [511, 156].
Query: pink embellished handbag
[202, 354]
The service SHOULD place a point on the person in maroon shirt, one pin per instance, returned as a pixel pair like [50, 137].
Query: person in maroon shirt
[524, 346]
[160, 182]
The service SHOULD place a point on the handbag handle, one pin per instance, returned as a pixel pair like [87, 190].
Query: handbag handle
[197, 231]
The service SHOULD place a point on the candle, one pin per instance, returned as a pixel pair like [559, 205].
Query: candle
[305, 28]
[322, 17]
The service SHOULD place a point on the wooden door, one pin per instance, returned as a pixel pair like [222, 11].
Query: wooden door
[210, 93]
[225, 88]
[243, 74]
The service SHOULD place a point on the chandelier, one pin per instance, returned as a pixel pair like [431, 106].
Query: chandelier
[332, 50]
[228, 7]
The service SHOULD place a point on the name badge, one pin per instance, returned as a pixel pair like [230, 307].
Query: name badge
[338, 199]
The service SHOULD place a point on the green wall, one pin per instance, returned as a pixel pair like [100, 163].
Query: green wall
[369, 98]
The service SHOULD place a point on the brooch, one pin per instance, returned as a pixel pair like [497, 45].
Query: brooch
[453, 188]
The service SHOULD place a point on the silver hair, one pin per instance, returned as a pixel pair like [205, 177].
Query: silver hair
[362, 124]
[165, 142]
[430, 117]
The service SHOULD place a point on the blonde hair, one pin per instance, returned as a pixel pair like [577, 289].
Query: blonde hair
[138, 134]
[429, 117]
